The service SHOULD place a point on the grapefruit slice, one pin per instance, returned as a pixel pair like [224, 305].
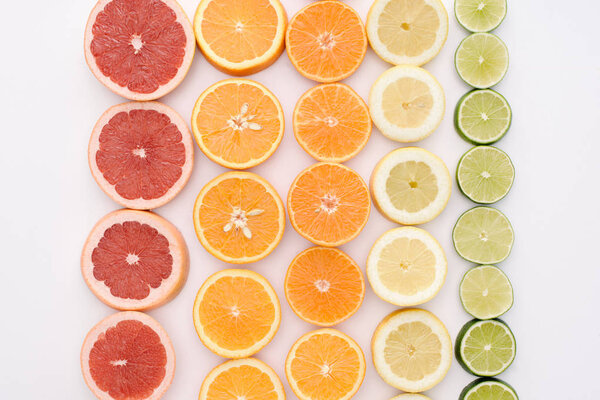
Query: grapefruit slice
[141, 49]
[126, 356]
[134, 260]
[141, 154]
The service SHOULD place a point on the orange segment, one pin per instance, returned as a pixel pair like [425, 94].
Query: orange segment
[240, 37]
[247, 378]
[238, 123]
[325, 365]
[328, 204]
[239, 217]
[236, 313]
[332, 122]
[326, 41]
[324, 286]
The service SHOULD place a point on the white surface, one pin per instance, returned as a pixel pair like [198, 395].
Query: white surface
[49, 203]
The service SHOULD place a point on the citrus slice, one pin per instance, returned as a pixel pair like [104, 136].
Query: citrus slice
[325, 365]
[332, 122]
[411, 186]
[240, 38]
[141, 60]
[324, 286]
[412, 350]
[407, 31]
[481, 60]
[485, 174]
[485, 348]
[141, 154]
[326, 41]
[482, 116]
[486, 292]
[407, 103]
[480, 15]
[483, 235]
[246, 378]
[236, 313]
[406, 266]
[134, 260]
[239, 217]
[122, 348]
[238, 123]
[410, 396]
[328, 204]
[488, 389]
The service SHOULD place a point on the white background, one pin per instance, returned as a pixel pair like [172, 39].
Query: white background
[50, 102]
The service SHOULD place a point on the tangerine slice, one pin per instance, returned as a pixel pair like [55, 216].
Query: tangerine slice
[134, 260]
[141, 154]
[326, 41]
[325, 365]
[236, 313]
[324, 286]
[332, 122]
[240, 37]
[141, 49]
[328, 204]
[239, 217]
[238, 123]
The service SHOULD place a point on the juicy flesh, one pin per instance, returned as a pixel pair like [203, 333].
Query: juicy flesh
[138, 44]
[484, 116]
[484, 235]
[481, 15]
[128, 361]
[487, 173]
[132, 259]
[482, 59]
[488, 347]
[245, 382]
[407, 102]
[411, 186]
[141, 154]
[487, 291]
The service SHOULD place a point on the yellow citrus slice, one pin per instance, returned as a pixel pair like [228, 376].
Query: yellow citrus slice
[407, 31]
[240, 37]
[410, 396]
[406, 266]
[236, 313]
[238, 123]
[325, 365]
[412, 350]
[246, 378]
[239, 217]
[411, 186]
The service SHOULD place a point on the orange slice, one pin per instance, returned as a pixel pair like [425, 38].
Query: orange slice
[238, 123]
[325, 365]
[247, 378]
[332, 122]
[328, 204]
[236, 313]
[239, 217]
[324, 286]
[240, 37]
[326, 41]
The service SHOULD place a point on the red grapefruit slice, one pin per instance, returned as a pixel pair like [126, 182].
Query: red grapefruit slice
[141, 154]
[134, 260]
[128, 356]
[139, 49]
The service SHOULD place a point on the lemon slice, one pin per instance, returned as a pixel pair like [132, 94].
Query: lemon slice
[407, 103]
[411, 186]
[407, 32]
[406, 266]
[410, 396]
[412, 350]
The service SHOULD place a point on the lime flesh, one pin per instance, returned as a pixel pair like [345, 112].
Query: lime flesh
[481, 60]
[486, 292]
[488, 389]
[485, 174]
[482, 116]
[480, 15]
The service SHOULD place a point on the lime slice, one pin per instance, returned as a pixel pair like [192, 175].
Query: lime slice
[480, 15]
[481, 60]
[485, 348]
[482, 116]
[485, 292]
[488, 389]
[483, 235]
[485, 174]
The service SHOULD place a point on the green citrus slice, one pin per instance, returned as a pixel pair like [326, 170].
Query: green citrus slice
[481, 60]
[488, 389]
[482, 116]
[480, 15]
[486, 292]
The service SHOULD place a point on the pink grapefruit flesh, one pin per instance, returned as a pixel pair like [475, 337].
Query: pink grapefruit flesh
[139, 49]
[141, 154]
[128, 356]
[134, 260]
